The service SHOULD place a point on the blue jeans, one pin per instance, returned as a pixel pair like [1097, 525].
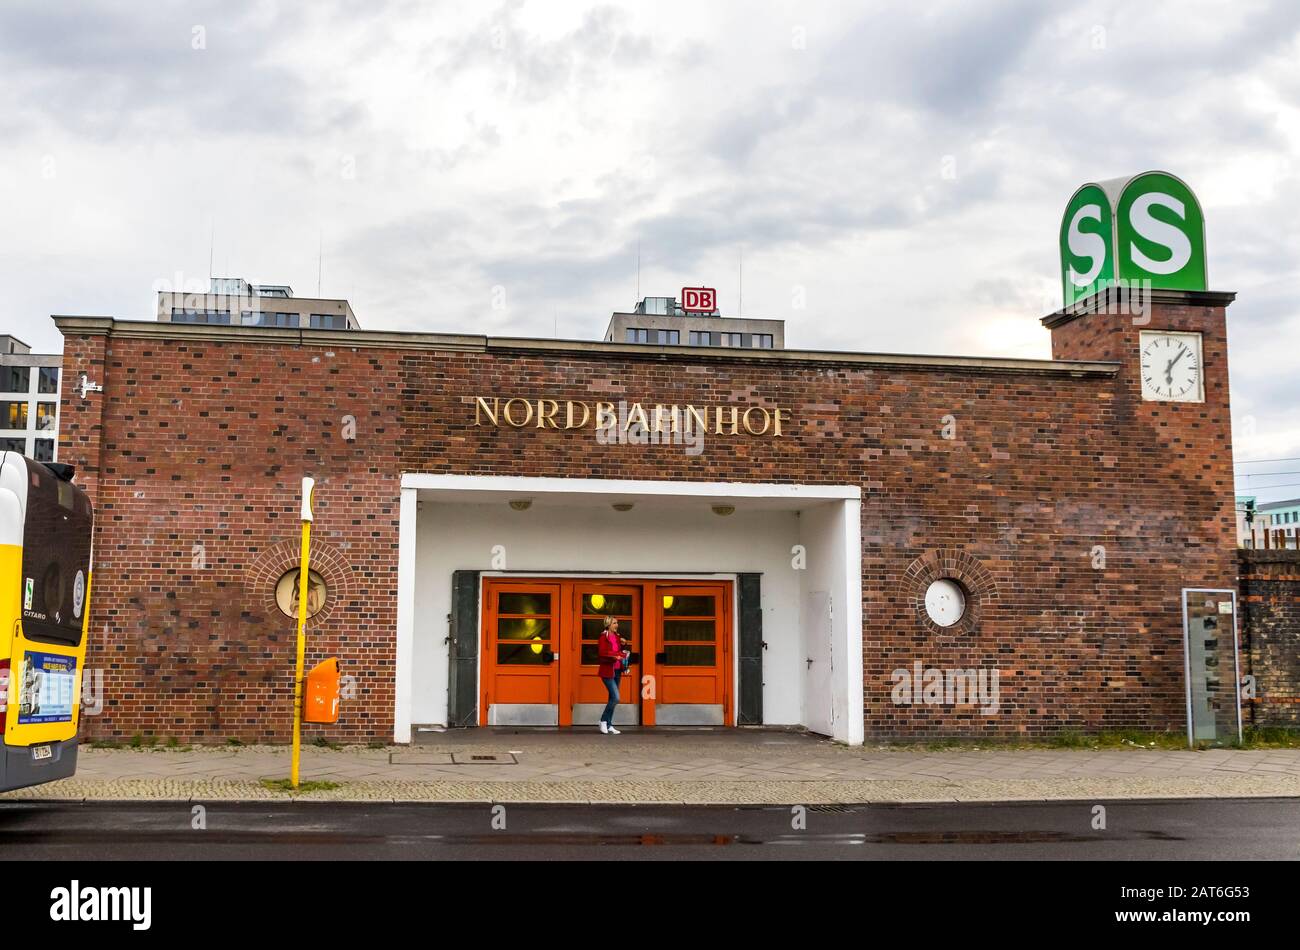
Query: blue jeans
[611, 684]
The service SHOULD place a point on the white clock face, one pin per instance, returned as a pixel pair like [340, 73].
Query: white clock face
[1171, 367]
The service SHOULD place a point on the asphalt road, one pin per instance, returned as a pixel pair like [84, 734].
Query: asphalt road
[1174, 830]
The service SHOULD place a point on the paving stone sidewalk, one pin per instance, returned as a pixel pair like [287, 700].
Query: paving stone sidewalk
[695, 767]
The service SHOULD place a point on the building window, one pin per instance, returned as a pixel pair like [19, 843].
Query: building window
[762, 341]
[637, 336]
[255, 319]
[701, 338]
[49, 380]
[15, 379]
[201, 316]
[729, 339]
[13, 415]
[670, 337]
[44, 450]
[46, 414]
[13, 445]
[328, 321]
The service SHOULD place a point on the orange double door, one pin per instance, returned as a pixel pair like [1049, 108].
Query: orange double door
[539, 658]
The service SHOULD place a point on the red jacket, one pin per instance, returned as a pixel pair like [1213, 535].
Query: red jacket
[611, 653]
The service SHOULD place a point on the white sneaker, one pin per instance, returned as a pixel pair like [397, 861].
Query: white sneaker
[614, 732]
[604, 727]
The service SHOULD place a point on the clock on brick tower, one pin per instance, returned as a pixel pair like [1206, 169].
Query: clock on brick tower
[1171, 367]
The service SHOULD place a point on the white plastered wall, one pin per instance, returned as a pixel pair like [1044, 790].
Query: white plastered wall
[832, 581]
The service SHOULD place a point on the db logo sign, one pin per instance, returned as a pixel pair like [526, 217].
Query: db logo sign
[699, 299]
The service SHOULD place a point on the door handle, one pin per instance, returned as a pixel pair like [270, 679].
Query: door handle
[809, 662]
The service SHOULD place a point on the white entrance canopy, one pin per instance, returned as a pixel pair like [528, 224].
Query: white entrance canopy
[805, 541]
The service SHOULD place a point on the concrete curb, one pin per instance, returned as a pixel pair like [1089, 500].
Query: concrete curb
[794, 792]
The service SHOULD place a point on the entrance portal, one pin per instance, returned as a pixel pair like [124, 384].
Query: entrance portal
[540, 654]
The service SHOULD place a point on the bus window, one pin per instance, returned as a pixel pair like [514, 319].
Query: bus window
[56, 558]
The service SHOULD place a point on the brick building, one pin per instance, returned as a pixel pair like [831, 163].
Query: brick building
[790, 537]
[1270, 594]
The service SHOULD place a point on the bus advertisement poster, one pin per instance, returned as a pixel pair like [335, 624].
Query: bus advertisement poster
[47, 688]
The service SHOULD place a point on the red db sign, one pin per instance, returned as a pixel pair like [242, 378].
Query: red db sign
[699, 299]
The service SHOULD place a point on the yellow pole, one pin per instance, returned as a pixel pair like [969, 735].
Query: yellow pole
[308, 487]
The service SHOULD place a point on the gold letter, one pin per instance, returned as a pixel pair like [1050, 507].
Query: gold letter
[605, 417]
[568, 415]
[776, 415]
[767, 420]
[481, 404]
[734, 421]
[527, 405]
[695, 418]
[635, 411]
[661, 413]
[543, 416]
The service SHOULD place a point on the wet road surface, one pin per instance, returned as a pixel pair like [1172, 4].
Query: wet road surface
[1175, 830]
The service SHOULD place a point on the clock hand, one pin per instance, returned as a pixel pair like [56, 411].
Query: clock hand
[1169, 367]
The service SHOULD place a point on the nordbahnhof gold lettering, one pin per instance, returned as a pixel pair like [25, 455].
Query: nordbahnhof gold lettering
[520, 413]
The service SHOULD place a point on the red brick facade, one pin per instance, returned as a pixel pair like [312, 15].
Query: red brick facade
[1270, 634]
[1009, 476]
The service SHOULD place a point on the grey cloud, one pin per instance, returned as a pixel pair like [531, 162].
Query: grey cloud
[534, 69]
[949, 59]
[109, 71]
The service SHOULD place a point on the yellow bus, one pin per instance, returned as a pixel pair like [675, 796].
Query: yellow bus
[45, 555]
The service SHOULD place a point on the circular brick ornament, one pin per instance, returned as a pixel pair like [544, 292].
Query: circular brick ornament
[964, 570]
[282, 557]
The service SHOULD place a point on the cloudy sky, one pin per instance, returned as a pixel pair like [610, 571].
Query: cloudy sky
[891, 175]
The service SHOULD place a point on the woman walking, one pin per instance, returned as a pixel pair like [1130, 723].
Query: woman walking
[613, 661]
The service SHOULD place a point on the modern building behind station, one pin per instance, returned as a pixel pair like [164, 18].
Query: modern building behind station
[663, 321]
[30, 387]
[233, 301]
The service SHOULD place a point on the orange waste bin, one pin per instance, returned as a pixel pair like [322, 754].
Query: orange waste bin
[321, 699]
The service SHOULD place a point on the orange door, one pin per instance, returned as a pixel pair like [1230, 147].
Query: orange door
[592, 602]
[692, 654]
[540, 655]
[521, 646]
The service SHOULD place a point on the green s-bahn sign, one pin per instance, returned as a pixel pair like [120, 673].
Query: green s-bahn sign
[1146, 230]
